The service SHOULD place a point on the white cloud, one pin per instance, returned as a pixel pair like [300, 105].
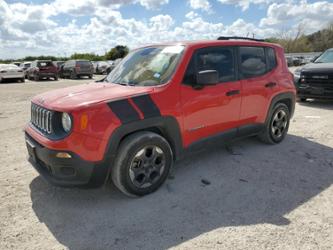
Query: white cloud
[192, 15]
[161, 22]
[200, 4]
[30, 29]
[153, 4]
[245, 4]
[314, 15]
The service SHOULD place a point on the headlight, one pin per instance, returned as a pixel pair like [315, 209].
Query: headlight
[66, 121]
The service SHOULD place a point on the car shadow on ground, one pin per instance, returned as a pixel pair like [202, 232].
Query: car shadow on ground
[78, 78]
[244, 184]
[320, 104]
[10, 81]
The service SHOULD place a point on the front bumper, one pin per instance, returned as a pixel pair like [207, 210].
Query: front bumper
[65, 172]
[12, 76]
[314, 92]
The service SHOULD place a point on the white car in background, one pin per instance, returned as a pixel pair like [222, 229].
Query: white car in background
[11, 71]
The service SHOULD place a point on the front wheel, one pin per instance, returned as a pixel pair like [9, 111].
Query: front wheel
[142, 164]
[277, 127]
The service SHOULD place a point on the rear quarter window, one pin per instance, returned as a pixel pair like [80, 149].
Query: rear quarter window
[271, 59]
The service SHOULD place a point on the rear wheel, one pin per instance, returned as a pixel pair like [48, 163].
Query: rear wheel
[73, 75]
[36, 78]
[56, 77]
[23, 79]
[90, 76]
[142, 164]
[301, 99]
[277, 127]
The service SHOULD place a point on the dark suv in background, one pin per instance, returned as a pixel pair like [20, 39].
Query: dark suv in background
[42, 69]
[76, 68]
[315, 80]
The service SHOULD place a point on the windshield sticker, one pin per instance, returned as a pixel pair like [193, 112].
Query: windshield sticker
[157, 75]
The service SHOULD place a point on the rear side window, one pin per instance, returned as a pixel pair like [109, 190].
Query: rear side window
[252, 61]
[83, 63]
[220, 59]
[45, 64]
[271, 59]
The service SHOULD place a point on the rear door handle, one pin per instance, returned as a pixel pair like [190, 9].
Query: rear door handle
[270, 85]
[233, 92]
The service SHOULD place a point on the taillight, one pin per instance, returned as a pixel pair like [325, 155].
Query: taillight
[3, 71]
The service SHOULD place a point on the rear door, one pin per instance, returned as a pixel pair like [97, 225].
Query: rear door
[256, 65]
[210, 110]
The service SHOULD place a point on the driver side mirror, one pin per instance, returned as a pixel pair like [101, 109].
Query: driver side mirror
[207, 77]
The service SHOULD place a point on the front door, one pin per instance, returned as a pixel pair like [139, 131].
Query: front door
[211, 109]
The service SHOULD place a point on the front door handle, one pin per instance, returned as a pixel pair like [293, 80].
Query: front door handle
[233, 92]
[270, 85]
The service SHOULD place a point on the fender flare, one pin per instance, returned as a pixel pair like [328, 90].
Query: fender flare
[290, 96]
[167, 125]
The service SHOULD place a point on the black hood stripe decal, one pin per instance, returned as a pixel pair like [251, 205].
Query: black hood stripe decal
[124, 111]
[147, 106]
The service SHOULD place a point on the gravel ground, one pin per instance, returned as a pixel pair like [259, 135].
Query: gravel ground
[244, 196]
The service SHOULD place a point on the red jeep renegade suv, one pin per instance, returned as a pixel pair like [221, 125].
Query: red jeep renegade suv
[154, 106]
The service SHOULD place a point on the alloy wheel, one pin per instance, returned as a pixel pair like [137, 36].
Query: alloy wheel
[279, 124]
[147, 166]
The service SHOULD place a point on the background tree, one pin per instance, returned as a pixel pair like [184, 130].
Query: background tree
[119, 51]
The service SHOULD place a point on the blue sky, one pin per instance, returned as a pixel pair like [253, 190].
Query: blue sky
[62, 27]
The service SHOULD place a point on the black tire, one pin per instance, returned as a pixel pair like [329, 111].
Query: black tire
[129, 159]
[23, 79]
[56, 77]
[73, 75]
[276, 128]
[36, 78]
[90, 76]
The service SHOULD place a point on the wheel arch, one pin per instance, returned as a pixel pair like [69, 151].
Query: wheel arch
[166, 126]
[288, 98]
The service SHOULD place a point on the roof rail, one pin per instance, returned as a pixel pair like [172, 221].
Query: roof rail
[239, 38]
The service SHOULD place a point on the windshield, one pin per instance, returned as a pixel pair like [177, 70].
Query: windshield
[147, 67]
[326, 57]
[45, 64]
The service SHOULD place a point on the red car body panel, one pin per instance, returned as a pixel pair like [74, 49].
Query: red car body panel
[199, 114]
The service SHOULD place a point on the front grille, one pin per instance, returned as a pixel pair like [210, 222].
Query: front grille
[319, 80]
[41, 118]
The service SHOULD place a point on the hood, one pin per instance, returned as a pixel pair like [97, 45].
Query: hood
[80, 96]
[324, 68]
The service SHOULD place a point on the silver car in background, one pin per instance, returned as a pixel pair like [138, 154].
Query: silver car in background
[11, 71]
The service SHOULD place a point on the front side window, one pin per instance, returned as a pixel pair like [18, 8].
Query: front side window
[149, 66]
[220, 59]
[252, 61]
